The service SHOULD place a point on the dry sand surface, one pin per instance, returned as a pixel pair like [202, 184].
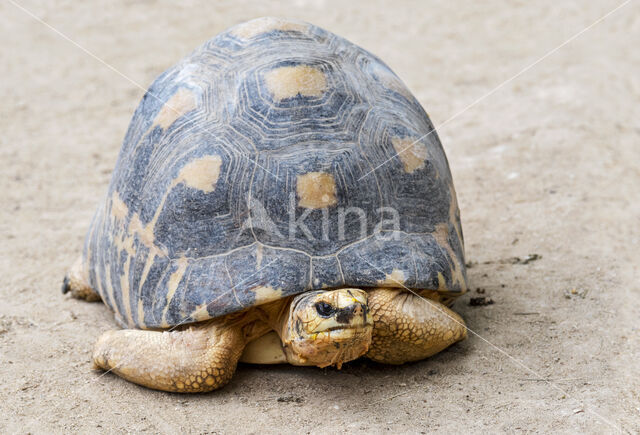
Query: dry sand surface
[548, 164]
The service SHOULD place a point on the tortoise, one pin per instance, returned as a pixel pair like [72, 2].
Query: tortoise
[280, 197]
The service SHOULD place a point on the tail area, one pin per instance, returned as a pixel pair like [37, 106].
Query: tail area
[75, 283]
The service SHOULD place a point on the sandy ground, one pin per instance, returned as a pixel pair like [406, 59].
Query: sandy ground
[548, 164]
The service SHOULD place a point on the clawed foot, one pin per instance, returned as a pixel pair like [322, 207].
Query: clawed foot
[410, 327]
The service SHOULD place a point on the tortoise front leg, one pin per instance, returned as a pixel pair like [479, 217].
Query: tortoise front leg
[199, 359]
[407, 327]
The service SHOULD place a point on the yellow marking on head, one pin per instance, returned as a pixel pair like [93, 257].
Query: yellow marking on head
[172, 285]
[258, 26]
[316, 190]
[181, 102]
[266, 294]
[289, 81]
[394, 279]
[201, 173]
[119, 209]
[411, 154]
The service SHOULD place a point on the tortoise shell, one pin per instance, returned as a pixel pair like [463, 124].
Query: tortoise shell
[247, 170]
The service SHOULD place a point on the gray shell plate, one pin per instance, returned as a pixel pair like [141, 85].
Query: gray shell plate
[212, 208]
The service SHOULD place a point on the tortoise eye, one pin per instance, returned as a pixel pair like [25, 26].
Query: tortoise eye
[324, 309]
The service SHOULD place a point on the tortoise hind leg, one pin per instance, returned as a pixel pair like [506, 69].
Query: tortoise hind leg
[408, 327]
[76, 283]
[199, 359]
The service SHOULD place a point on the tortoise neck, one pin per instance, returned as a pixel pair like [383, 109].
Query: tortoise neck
[258, 321]
[276, 313]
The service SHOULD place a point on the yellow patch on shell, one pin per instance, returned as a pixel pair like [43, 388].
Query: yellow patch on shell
[411, 153]
[172, 285]
[141, 314]
[395, 278]
[441, 234]
[181, 102]
[108, 283]
[124, 287]
[262, 25]
[119, 209]
[200, 313]
[442, 283]
[289, 81]
[266, 294]
[453, 212]
[151, 257]
[259, 255]
[145, 233]
[316, 190]
[202, 173]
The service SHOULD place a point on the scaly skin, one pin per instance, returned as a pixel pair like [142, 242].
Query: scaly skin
[408, 327]
[198, 359]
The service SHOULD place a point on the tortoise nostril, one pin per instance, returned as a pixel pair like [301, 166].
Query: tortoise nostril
[346, 314]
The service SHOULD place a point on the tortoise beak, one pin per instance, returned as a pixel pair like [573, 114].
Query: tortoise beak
[352, 308]
[349, 314]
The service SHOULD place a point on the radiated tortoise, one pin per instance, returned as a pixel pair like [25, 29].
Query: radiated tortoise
[280, 196]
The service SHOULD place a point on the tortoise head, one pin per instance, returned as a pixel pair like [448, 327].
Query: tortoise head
[326, 328]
